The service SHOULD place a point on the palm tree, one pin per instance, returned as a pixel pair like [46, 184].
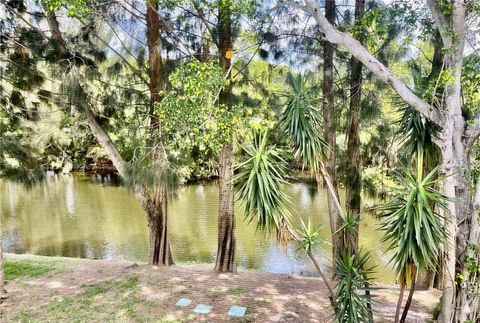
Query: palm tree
[413, 227]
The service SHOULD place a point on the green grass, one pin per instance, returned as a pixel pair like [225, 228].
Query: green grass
[236, 291]
[111, 300]
[24, 269]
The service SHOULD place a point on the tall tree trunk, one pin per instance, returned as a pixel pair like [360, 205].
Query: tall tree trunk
[160, 250]
[226, 218]
[329, 132]
[353, 181]
[225, 261]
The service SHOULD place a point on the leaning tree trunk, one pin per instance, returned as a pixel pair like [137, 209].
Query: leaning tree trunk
[353, 181]
[225, 261]
[160, 251]
[330, 134]
[410, 294]
[399, 301]
[83, 106]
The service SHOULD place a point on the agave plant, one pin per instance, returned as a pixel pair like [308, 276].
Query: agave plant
[353, 273]
[413, 227]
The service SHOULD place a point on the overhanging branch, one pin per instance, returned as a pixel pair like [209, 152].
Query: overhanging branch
[355, 48]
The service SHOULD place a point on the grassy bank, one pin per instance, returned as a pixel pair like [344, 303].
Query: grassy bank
[73, 290]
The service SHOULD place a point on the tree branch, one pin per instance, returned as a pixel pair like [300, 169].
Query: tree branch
[337, 37]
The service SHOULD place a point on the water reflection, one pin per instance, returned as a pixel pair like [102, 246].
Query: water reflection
[88, 217]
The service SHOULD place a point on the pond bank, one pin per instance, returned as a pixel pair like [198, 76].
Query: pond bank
[68, 289]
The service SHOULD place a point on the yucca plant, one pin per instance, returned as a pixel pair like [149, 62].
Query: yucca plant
[348, 230]
[413, 227]
[300, 119]
[258, 182]
[353, 273]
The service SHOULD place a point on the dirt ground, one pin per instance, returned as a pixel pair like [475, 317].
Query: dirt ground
[99, 291]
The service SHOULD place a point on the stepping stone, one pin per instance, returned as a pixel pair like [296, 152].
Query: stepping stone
[183, 302]
[202, 309]
[237, 311]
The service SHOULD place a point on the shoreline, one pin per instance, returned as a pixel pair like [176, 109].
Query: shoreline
[76, 286]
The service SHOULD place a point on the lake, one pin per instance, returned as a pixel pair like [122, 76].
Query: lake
[81, 216]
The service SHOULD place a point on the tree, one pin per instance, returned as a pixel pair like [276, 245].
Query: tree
[330, 133]
[3, 291]
[258, 182]
[353, 181]
[455, 136]
[225, 261]
[413, 227]
[70, 62]
[160, 250]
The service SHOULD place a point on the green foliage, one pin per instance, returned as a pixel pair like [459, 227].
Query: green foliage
[349, 229]
[471, 83]
[376, 182]
[191, 116]
[258, 182]
[416, 132]
[73, 7]
[352, 273]
[309, 236]
[150, 172]
[300, 120]
[413, 227]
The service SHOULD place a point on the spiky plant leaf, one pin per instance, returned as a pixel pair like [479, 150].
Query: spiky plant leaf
[309, 236]
[300, 120]
[258, 182]
[353, 273]
[412, 225]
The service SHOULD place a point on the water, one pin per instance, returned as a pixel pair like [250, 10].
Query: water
[79, 216]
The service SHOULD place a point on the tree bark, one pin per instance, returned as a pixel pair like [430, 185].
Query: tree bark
[329, 133]
[410, 294]
[225, 261]
[160, 250]
[399, 301]
[353, 181]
